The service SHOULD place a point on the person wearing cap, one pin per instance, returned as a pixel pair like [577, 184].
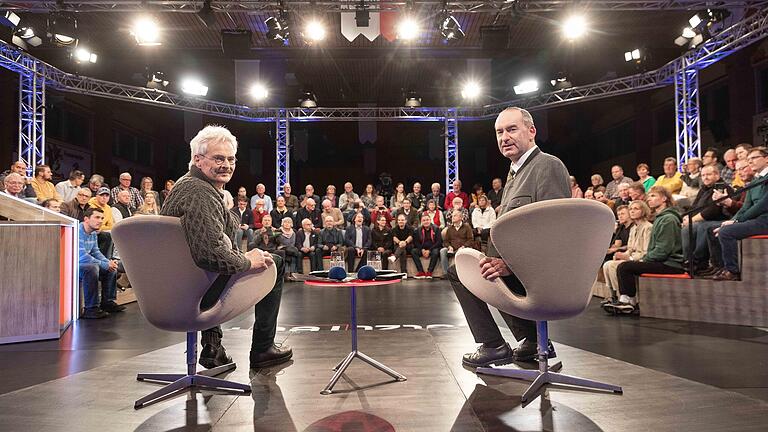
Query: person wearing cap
[100, 201]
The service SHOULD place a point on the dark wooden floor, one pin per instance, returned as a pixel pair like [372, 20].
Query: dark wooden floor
[418, 329]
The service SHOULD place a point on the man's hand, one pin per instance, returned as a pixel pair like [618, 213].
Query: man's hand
[492, 268]
[685, 222]
[359, 252]
[621, 256]
[112, 266]
[402, 244]
[259, 259]
[450, 249]
[334, 247]
[425, 253]
[725, 223]
[305, 249]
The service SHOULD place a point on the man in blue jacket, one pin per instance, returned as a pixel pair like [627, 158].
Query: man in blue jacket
[95, 267]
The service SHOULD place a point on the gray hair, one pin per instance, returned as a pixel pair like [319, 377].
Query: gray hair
[210, 134]
[11, 176]
[527, 118]
[97, 178]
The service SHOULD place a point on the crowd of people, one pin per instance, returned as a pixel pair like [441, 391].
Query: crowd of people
[651, 235]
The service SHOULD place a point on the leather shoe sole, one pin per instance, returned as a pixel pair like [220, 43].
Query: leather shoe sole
[272, 361]
[498, 362]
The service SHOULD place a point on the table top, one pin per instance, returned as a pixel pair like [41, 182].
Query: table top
[352, 283]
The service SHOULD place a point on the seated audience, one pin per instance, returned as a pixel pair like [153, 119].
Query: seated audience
[244, 217]
[309, 192]
[258, 212]
[125, 184]
[52, 204]
[712, 157]
[291, 201]
[357, 239]
[14, 186]
[381, 209]
[145, 188]
[621, 234]
[622, 195]
[427, 243]
[589, 194]
[710, 216]
[728, 173]
[637, 245]
[331, 238]
[95, 183]
[671, 179]
[335, 213]
[368, 197]
[42, 185]
[306, 243]
[20, 168]
[95, 267]
[742, 151]
[266, 237]
[477, 192]
[750, 220]
[691, 183]
[411, 214]
[457, 192]
[150, 206]
[402, 239]
[242, 192]
[261, 194]
[381, 240]
[76, 208]
[311, 212]
[330, 195]
[644, 176]
[612, 188]
[435, 195]
[167, 190]
[483, 216]
[67, 189]
[418, 200]
[397, 197]
[457, 207]
[497, 193]
[286, 242]
[458, 235]
[100, 202]
[122, 208]
[636, 191]
[576, 191]
[281, 209]
[664, 255]
[348, 197]
[597, 183]
[435, 215]
[355, 209]
[599, 195]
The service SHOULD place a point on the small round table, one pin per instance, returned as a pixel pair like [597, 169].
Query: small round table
[342, 366]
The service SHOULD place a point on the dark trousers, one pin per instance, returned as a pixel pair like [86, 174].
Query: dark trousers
[730, 235]
[351, 255]
[628, 271]
[315, 260]
[90, 275]
[384, 261]
[402, 255]
[715, 252]
[479, 317]
[292, 258]
[265, 322]
[434, 257]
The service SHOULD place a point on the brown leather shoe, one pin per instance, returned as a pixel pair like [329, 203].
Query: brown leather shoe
[726, 275]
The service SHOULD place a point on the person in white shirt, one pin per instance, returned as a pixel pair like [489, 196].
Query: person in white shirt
[483, 216]
[260, 194]
[67, 189]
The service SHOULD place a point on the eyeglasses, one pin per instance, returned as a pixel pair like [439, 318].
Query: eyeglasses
[219, 160]
[751, 158]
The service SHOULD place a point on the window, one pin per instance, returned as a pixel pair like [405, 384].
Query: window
[68, 126]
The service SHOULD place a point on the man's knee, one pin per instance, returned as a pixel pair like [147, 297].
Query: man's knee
[91, 269]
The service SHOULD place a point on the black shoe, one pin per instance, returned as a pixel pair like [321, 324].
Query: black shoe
[528, 350]
[214, 356]
[272, 356]
[709, 271]
[726, 275]
[94, 313]
[112, 307]
[485, 356]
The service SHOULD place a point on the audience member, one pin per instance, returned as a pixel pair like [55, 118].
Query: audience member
[599, 195]
[266, 237]
[95, 267]
[691, 183]
[42, 185]
[166, 190]
[335, 213]
[150, 206]
[576, 191]
[281, 210]
[258, 213]
[750, 220]
[331, 238]
[330, 195]
[245, 218]
[483, 216]
[369, 197]
[418, 200]
[622, 195]
[291, 201]
[286, 242]
[644, 176]
[597, 183]
[710, 216]
[100, 202]
[357, 208]
[262, 195]
[402, 240]
[20, 168]
[306, 243]
[589, 194]
[311, 212]
[52, 204]
[357, 238]
[125, 184]
[229, 200]
[95, 183]
[457, 192]
[496, 194]
[742, 151]
[477, 192]
[637, 191]
[348, 197]
[712, 157]
[612, 188]
[729, 170]
[381, 240]
[671, 179]
[435, 195]
[621, 234]
[664, 255]
[411, 215]
[67, 189]
[14, 185]
[380, 209]
[242, 192]
[427, 243]
[146, 188]
[76, 207]
[457, 207]
[457, 235]
[397, 197]
[309, 192]
[637, 245]
[122, 208]
[435, 215]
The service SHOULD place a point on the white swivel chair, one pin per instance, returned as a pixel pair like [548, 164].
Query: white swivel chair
[555, 248]
[169, 287]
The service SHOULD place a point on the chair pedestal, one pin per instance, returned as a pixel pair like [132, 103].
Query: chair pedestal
[546, 374]
[203, 380]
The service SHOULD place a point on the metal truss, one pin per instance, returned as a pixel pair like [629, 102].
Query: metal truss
[31, 120]
[282, 151]
[687, 125]
[451, 149]
[492, 6]
[372, 113]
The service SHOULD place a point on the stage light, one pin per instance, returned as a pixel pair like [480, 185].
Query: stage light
[526, 86]
[412, 100]
[259, 92]
[560, 82]
[698, 39]
[63, 30]
[688, 33]
[157, 80]
[146, 32]
[451, 29]
[695, 20]
[84, 55]
[574, 27]
[632, 55]
[206, 14]
[9, 19]
[194, 87]
[25, 37]
[277, 29]
[308, 100]
[471, 90]
[407, 28]
[314, 31]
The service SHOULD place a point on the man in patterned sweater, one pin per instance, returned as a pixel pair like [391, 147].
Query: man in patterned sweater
[209, 227]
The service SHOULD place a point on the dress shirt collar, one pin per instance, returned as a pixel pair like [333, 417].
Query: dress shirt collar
[519, 164]
[764, 172]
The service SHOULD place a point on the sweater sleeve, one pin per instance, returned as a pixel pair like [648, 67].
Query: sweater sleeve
[666, 230]
[758, 208]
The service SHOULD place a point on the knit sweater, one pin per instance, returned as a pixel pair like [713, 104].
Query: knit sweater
[208, 225]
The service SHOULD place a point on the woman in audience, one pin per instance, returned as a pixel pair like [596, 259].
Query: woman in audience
[397, 198]
[168, 187]
[330, 195]
[477, 192]
[381, 240]
[621, 235]
[438, 219]
[146, 189]
[575, 189]
[644, 176]
[588, 194]
[286, 242]
[150, 206]
[597, 183]
[664, 255]
[483, 216]
[637, 245]
[368, 197]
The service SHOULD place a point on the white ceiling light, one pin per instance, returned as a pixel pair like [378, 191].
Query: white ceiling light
[194, 87]
[407, 28]
[146, 32]
[574, 27]
[526, 86]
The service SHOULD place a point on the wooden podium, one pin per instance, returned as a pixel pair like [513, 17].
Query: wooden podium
[39, 268]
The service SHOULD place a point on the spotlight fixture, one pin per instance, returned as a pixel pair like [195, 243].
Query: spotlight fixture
[412, 99]
[314, 31]
[157, 80]
[698, 39]
[574, 27]
[471, 90]
[308, 99]
[146, 32]
[25, 37]
[62, 29]
[451, 29]
[194, 87]
[688, 33]
[633, 55]
[407, 29]
[206, 14]
[560, 82]
[83, 55]
[259, 92]
[695, 20]
[526, 86]
[9, 19]
[277, 29]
